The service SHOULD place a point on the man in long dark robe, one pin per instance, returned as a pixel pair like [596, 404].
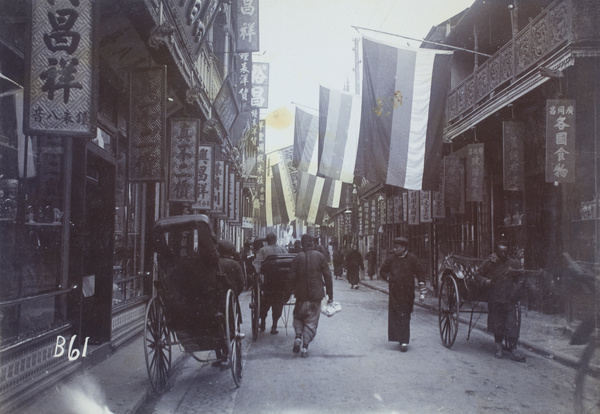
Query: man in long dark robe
[400, 270]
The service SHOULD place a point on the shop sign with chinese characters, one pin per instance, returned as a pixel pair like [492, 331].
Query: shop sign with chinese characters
[61, 79]
[475, 172]
[413, 207]
[219, 188]
[560, 140]
[513, 134]
[182, 166]
[259, 95]
[204, 180]
[147, 112]
[247, 28]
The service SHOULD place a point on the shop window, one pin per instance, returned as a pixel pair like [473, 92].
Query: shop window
[32, 293]
[127, 267]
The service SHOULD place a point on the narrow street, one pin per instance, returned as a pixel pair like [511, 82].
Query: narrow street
[352, 368]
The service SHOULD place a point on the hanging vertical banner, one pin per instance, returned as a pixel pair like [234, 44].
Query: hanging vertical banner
[244, 83]
[237, 216]
[404, 204]
[560, 140]
[182, 162]
[452, 181]
[147, 121]
[226, 190]
[204, 180]
[219, 188]
[382, 211]
[231, 197]
[259, 96]
[260, 201]
[247, 27]
[513, 134]
[475, 172]
[438, 209]
[61, 75]
[462, 182]
[374, 220]
[413, 207]
[390, 209]
[425, 203]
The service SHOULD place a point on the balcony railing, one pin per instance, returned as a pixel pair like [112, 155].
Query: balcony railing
[538, 40]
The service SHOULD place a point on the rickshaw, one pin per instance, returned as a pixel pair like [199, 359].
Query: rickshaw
[459, 291]
[273, 283]
[192, 307]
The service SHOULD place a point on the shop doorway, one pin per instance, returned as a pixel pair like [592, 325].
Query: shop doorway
[98, 239]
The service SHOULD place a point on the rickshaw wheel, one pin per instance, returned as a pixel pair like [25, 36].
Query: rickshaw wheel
[157, 345]
[234, 337]
[255, 308]
[449, 310]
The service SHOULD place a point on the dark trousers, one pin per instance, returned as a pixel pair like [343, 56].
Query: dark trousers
[503, 322]
[274, 301]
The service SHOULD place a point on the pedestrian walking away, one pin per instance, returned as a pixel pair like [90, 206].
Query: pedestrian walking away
[310, 274]
[371, 257]
[338, 263]
[400, 270]
[503, 292]
[354, 264]
[274, 302]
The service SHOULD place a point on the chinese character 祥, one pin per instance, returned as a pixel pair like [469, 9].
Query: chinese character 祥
[60, 77]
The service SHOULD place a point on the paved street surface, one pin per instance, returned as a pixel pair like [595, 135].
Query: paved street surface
[352, 368]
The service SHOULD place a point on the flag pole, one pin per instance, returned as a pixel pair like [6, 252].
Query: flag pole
[358, 28]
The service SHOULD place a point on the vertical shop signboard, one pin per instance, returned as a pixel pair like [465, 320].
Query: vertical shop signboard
[425, 203]
[238, 202]
[182, 162]
[560, 140]
[475, 172]
[382, 211]
[244, 82]
[231, 197]
[225, 105]
[204, 180]
[513, 134]
[374, 215]
[219, 188]
[61, 75]
[390, 209]
[259, 95]
[452, 181]
[413, 207]
[404, 206]
[147, 112]
[247, 27]
[438, 209]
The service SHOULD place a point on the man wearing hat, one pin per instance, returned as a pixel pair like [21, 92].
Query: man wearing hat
[400, 270]
[503, 290]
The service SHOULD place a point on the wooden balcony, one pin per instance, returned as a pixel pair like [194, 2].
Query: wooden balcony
[563, 31]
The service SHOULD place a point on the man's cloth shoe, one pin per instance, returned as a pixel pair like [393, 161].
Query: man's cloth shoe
[517, 356]
[297, 345]
[262, 327]
[403, 347]
[274, 331]
[304, 353]
[499, 354]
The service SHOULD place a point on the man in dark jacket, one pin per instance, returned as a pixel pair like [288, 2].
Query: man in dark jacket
[503, 294]
[400, 270]
[353, 264]
[310, 274]
[371, 257]
[338, 263]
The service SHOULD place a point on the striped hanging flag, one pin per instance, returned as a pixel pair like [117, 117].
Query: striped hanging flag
[339, 125]
[403, 107]
[306, 134]
[313, 193]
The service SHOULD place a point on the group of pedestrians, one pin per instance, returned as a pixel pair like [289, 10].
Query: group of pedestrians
[311, 279]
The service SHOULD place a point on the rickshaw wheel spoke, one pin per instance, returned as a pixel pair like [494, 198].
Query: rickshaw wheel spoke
[157, 345]
[448, 311]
